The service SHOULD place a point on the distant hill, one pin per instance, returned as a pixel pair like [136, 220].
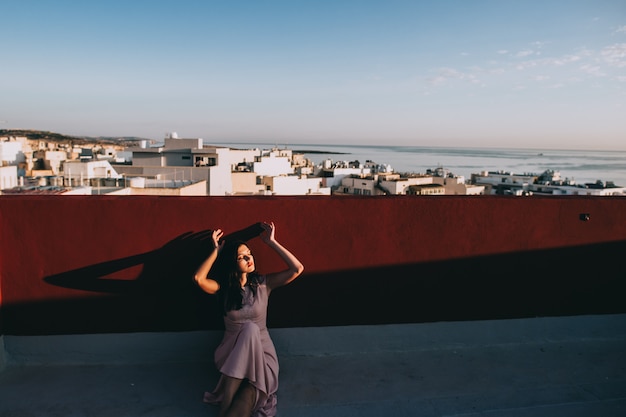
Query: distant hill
[74, 140]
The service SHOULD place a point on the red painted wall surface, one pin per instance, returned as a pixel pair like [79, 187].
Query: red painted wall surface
[74, 264]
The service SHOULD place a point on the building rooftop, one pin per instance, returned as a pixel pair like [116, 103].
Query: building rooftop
[567, 366]
[36, 190]
[442, 306]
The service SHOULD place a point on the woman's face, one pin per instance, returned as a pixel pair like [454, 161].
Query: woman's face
[245, 260]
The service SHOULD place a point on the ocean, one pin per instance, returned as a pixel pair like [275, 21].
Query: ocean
[582, 166]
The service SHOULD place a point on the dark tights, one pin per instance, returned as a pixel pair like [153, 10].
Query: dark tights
[239, 398]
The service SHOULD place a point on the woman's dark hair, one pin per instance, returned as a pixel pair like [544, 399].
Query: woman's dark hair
[230, 292]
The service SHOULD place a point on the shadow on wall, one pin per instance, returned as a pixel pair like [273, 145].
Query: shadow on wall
[556, 282]
[166, 270]
[163, 291]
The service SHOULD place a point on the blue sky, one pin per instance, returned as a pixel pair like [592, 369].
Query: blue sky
[549, 74]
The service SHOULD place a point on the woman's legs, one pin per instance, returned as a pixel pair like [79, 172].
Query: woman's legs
[244, 400]
[239, 398]
[229, 389]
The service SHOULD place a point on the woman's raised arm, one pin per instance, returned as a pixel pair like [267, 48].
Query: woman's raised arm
[294, 266]
[207, 284]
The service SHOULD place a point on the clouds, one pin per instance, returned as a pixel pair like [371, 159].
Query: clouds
[592, 70]
[397, 68]
[565, 59]
[542, 64]
[525, 53]
[536, 64]
[614, 55]
[445, 75]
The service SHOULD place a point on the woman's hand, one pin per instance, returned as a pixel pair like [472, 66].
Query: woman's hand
[294, 266]
[201, 276]
[269, 232]
[216, 236]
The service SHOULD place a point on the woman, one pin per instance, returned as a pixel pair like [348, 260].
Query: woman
[246, 357]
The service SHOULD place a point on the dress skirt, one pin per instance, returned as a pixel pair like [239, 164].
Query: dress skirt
[247, 352]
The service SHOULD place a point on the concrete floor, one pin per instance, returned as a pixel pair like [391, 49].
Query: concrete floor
[571, 366]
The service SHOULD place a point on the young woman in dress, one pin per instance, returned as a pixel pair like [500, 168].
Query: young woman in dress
[246, 357]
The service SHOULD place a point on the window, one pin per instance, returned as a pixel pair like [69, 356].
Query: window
[202, 161]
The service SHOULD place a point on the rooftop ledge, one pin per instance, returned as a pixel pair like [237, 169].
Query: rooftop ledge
[83, 264]
[445, 305]
[522, 367]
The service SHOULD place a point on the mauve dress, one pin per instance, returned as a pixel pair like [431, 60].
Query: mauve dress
[247, 352]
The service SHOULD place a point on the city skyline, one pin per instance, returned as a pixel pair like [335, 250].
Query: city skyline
[548, 74]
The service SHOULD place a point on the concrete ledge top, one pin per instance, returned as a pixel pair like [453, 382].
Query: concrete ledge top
[539, 367]
[132, 348]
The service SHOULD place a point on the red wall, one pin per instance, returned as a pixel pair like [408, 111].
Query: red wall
[75, 264]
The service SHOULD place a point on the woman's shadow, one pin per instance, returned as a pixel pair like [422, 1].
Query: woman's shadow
[164, 290]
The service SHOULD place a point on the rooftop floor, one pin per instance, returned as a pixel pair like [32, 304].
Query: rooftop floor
[565, 366]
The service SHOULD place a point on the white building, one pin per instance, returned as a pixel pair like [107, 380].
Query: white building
[502, 182]
[457, 186]
[11, 152]
[53, 160]
[547, 183]
[144, 186]
[360, 185]
[396, 185]
[8, 177]
[247, 183]
[381, 184]
[591, 189]
[226, 171]
[243, 159]
[426, 189]
[115, 155]
[80, 173]
[187, 159]
[273, 163]
[333, 173]
[295, 185]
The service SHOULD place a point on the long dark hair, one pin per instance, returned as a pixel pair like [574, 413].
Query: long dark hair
[229, 276]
